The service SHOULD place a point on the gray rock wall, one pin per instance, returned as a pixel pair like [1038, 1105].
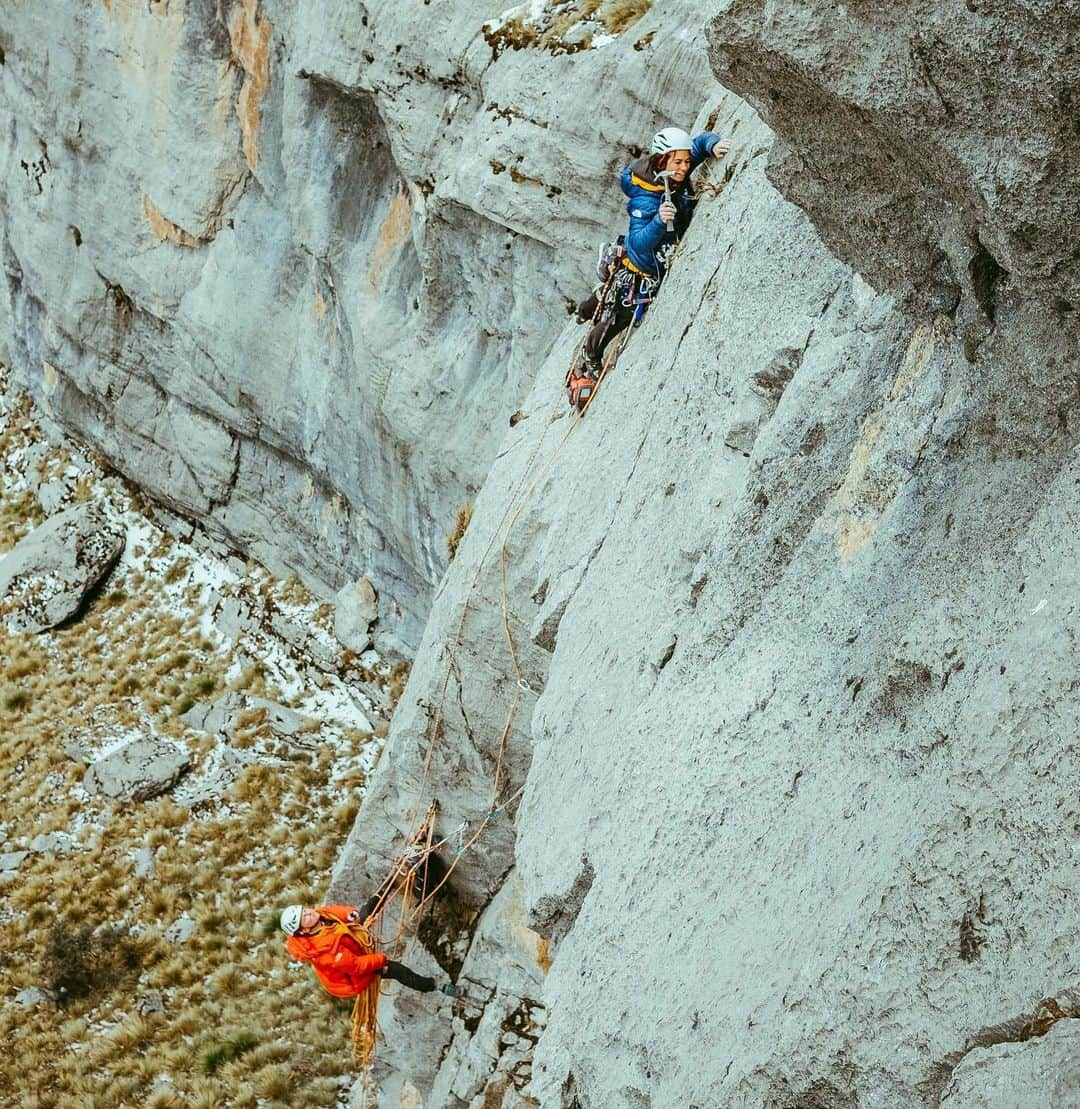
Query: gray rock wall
[933, 144]
[796, 607]
[292, 265]
[781, 810]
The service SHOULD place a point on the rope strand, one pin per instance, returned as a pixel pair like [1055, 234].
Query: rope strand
[402, 880]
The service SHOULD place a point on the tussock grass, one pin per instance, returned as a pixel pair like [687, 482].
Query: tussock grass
[620, 15]
[396, 682]
[83, 924]
[80, 961]
[232, 1048]
[16, 700]
[163, 1099]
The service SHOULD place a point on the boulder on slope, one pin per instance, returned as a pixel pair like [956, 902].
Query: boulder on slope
[139, 770]
[46, 577]
[356, 608]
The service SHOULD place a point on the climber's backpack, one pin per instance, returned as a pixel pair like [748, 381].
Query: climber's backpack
[610, 257]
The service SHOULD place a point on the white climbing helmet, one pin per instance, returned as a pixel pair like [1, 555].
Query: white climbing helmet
[671, 138]
[290, 919]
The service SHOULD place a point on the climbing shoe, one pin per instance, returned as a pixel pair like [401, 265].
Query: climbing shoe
[449, 989]
[581, 382]
[578, 390]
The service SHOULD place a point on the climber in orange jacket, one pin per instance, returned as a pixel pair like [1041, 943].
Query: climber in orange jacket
[325, 938]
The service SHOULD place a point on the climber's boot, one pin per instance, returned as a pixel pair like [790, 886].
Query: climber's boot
[581, 381]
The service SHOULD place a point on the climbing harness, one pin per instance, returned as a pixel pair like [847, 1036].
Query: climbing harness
[625, 286]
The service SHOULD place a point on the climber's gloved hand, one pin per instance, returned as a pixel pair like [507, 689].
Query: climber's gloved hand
[721, 147]
[667, 212]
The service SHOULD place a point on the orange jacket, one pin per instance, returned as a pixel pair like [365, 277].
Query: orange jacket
[344, 965]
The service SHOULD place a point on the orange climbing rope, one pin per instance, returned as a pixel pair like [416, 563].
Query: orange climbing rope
[401, 880]
[521, 684]
[365, 1007]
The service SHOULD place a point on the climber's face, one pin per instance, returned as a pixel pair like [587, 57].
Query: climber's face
[308, 919]
[678, 165]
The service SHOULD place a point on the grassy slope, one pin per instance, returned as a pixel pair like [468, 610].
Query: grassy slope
[136, 658]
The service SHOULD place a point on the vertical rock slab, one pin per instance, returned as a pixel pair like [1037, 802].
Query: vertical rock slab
[795, 774]
[933, 145]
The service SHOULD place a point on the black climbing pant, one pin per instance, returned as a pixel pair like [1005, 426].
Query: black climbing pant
[399, 972]
[622, 297]
[604, 330]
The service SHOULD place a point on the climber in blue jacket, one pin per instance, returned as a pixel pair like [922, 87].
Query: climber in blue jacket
[659, 217]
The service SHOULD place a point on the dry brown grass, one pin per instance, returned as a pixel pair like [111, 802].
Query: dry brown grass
[396, 682]
[553, 29]
[126, 665]
[620, 15]
[461, 525]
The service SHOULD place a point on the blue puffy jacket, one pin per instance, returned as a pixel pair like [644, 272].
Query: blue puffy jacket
[648, 237]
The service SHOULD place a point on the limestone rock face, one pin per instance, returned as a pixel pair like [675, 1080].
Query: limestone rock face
[10, 861]
[781, 761]
[32, 996]
[150, 1003]
[750, 698]
[181, 930]
[45, 578]
[933, 144]
[356, 609]
[145, 864]
[290, 265]
[59, 843]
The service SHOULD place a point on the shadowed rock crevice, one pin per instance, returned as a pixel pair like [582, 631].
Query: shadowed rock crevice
[553, 917]
[1021, 1029]
[824, 1093]
[985, 276]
